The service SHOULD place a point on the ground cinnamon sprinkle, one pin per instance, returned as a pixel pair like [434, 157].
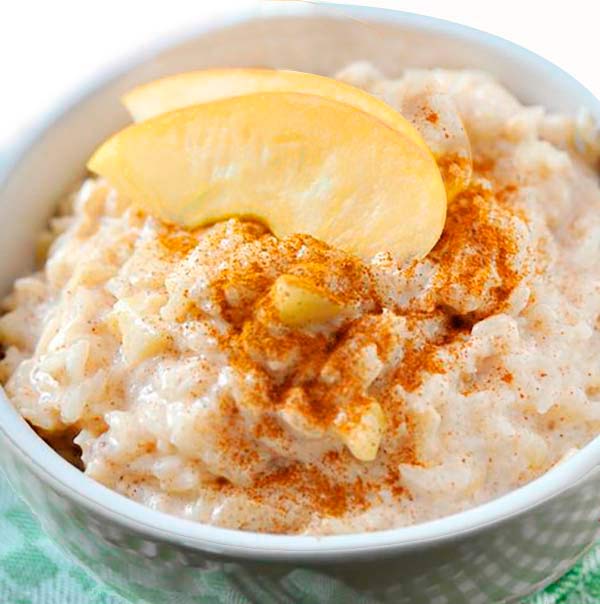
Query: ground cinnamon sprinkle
[317, 370]
[432, 117]
[507, 378]
[398, 420]
[483, 165]
[476, 222]
[177, 241]
[269, 427]
[310, 484]
[415, 362]
[506, 192]
[453, 166]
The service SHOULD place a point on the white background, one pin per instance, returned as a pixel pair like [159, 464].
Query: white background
[49, 48]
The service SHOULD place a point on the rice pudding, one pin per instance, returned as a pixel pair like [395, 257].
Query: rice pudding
[280, 383]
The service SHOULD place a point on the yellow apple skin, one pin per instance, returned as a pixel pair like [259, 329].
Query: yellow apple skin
[298, 163]
[196, 87]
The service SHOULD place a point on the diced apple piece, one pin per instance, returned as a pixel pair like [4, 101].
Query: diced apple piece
[299, 163]
[363, 437]
[139, 338]
[436, 117]
[140, 341]
[195, 87]
[299, 303]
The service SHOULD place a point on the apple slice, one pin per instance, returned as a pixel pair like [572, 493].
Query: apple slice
[298, 163]
[195, 87]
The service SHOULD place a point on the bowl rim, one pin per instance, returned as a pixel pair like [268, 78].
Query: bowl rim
[52, 469]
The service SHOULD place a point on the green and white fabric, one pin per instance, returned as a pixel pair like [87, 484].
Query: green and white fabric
[34, 571]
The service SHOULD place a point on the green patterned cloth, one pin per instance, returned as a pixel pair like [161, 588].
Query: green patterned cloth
[34, 571]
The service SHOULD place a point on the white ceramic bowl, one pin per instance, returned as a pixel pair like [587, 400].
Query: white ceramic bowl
[497, 552]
